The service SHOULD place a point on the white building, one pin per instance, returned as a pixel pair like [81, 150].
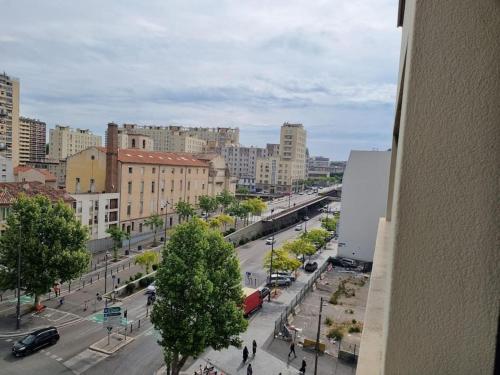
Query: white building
[364, 201]
[7, 172]
[318, 166]
[98, 212]
[65, 141]
[242, 162]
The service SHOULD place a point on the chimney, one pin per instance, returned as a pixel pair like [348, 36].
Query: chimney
[112, 158]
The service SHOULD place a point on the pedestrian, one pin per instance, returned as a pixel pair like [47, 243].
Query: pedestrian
[118, 281]
[292, 350]
[61, 301]
[254, 347]
[303, 367]
[249, 369]
[245, 354]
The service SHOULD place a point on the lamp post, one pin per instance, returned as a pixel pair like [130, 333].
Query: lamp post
[18, 306]
[165, 204]
[105, 272]
[317, 337]
[272, 251]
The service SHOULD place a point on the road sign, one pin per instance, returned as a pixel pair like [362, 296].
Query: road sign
[112, 316]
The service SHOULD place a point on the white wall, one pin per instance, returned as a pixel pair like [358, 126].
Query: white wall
[87, 212]
[364, 201]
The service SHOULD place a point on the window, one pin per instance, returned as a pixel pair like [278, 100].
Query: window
[133, 143]
[130, 187]
[182, 170]
[152, 187]
[77, 185]
[142, 170]
[189, 171]
[154, 170]
[202, 186]
[140, 227]
[142, 186]
[189, 185]
[144, 144]
[92, 157]
[129, 208]
[141, 207]
[130, 170]
[132, 225]
[172, 185]
[92, 185]
[204, 170]
[180, 184]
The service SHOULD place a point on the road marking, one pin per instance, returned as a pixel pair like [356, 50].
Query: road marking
[8, 340]
[83, 361]
[53, 356]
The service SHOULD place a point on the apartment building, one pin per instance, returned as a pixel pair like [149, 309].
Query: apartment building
[32, 140]
[219, 175]
[65, 141]
[97, 212]
[242, 162]
[181, 142]
[6, 170]
[273, 149]
[159, 134]
[135, 140]
[317, 167]
[9, 117]
[433, 300]
[337, 166]
[27, 174]
[216, 138]
[284, 173]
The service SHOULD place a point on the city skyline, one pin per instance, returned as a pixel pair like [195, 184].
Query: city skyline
[246, 66]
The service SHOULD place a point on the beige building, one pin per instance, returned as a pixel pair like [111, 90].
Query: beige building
[433, 301]
[181, 142]
[6, 170]
[86, 171]
[9, 118]
[283, 173]
[56, 167]
[28, 174]
[65, 141]
[32, 139]
[159, 134]
[219, 175]
[135, 141]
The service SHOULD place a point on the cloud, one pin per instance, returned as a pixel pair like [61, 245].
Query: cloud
[331, 65]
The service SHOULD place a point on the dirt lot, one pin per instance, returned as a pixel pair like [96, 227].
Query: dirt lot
[349, 291]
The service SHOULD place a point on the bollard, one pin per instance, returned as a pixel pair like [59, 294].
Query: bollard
[131, 327]
[147, 310]
[139, 326]
[98, 276]
[95, 267]
[91, 280]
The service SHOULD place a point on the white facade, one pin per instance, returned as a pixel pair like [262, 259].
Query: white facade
[364, 200]
[242, 162]
[98, 212]
[6, 170]
[65, 141]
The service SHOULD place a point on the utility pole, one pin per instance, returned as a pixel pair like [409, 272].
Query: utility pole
[106, 272]
[18, 307]
[317, 337]
[272, 251]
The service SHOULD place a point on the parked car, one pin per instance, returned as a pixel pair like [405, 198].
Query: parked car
[286, 274]
[151, 288]
[35, 340]
[278, 280]
[348, 263]
[270, 241]
[311, 266]
[298, 227]
[264, 291]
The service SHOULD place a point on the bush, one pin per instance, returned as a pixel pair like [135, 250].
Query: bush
[138, 275]
[354, 321]
[333, 299]
[146, 281]
[130, 288]
[335, 333]
[354, 329]
[154, 267]
[328, 321]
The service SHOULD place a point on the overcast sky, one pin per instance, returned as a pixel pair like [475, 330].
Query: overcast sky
[331, 65]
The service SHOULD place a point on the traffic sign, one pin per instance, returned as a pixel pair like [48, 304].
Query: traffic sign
[112, 316]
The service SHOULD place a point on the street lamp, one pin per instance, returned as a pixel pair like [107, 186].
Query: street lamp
[18, 307]
[105, 272]
[317, 337]
[272, 251]
[165, 204]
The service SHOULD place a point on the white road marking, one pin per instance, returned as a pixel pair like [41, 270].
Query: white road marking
[83, 361]
[8, 340]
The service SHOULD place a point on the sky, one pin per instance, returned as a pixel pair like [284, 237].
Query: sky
[331, 65]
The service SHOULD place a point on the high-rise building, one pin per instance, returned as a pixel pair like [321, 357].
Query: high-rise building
[65, 141]
[284, 173]
[32, 139]
[9, 118]
[182, 142]
[318, 166]
[242, 162]
[273, 149]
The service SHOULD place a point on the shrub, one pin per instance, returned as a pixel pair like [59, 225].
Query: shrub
[335, 333]
[328, 321]
[154, 267]
[333, 299]
[146, 281]
[354, 321]
[130, 288]
[138, 275]
[354, 329]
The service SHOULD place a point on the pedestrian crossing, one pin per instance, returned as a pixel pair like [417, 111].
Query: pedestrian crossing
[48, 353]
[83, 361]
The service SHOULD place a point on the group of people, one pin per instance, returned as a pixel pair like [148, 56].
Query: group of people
[245, 356]
[302, 369]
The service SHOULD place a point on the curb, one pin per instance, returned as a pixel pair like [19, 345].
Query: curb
[96, 348]
[24, 333]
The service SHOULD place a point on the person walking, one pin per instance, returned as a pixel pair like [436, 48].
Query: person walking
[303, 367]
[254, 347]
[245, 354]
[292, 350]
[249, 369]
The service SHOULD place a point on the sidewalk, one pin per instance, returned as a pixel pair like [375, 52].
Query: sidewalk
[261, 329]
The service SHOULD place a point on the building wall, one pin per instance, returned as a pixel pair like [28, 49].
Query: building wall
[364, 201]
[97, 212]
[9, 117]
[84, 167]
[184, 143]
[6, 170]
[441, 313]
[158, 134]
[242, 162]
[32, 139]
[65, 141]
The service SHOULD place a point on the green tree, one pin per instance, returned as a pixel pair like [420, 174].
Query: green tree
[208, 204]
[329, 223]
[282, 260]
[225, 199]
[184, 210]
[242, 190]
[52, 243]
[256, 206]
[316, 236]
[300, 247]
[238, 211]
[220, 220]
[117, 235]
[147, 259]
[198, 284]
[154, 222]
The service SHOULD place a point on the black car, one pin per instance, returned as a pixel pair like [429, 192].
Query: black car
[311, 266]
[35, 340]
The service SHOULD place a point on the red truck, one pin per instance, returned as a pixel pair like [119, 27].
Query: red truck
[253, 301]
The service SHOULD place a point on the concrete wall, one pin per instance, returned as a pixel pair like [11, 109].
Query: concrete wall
[364, 201]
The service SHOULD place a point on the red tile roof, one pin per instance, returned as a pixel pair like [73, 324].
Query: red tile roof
[48, 176]
[10, 190]
[159, 157]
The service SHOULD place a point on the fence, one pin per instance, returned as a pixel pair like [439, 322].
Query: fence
[280, 323]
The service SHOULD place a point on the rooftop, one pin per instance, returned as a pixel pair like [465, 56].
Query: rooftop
[158, 157]
[9, 191]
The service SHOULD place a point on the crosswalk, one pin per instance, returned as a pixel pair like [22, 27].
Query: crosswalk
[83, 361]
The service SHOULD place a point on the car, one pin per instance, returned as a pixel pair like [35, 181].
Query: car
[35, 340]
[270, 241]
[311, 266]
[301, 193]
[278, 280]
[305, 218]
[286, 274]
[298, 227]
[348, 263]
[264, 291]
[335, 261]
[151, 288]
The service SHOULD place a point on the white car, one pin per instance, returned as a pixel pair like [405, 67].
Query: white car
[151, 288]
[270, 241]
[298, 227]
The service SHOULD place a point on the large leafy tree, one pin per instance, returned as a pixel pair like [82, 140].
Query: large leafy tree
[185, 210]
[220, 220]
[117, 236]
[329, 223]
[147, 259]
[154, 222]
[300, 247]
[238, 211]
[208, 204]
[225, 199]
[198, 284]
[316, 236]
[282, 260]
[255, 206]
[51, 241]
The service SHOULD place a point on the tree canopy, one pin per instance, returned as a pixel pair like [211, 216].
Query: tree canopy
[52, 243]
[185, 210]
[317, 236]
[282, 260]
[225, 199]
[118, 236]
[208, 204]
[154, 222]
[329, 223]
[147, 259]
[300, 247]
[220, 220]
[198, 284]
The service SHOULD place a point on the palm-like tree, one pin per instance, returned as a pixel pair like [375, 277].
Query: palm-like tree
[118, 236]
[154, 222]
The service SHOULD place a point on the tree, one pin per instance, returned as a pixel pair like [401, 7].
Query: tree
[207, 204]
[118, 236]
[242, 190]
[184, 210]
[300, 247]
[256, 206]
[52, 243]
[316, 236]
[225, 199]
[154, 222]
[219, 220]
[147, 259]
[198, 284]
[329, 223]
[238, 211]
[282, 260]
